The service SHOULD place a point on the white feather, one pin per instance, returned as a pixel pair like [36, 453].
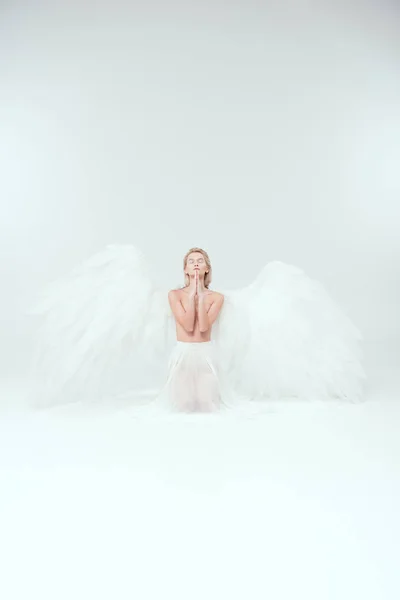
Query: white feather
[284, 336]
[100, 315]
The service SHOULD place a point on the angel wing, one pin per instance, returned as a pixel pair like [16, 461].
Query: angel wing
[284, 336]
[97, 322]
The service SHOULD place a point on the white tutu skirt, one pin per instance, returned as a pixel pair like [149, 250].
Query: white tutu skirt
[193, 383]
[196, 384]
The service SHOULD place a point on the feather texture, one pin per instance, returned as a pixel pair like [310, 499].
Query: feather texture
[284, 336]
[102, 314]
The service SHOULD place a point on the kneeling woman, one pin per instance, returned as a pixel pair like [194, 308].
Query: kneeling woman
[193, 382]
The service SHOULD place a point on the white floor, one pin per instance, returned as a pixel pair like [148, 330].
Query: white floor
[301, 502]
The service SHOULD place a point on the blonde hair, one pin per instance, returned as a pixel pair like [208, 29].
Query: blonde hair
[207, 276]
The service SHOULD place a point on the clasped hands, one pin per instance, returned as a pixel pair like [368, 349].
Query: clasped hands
[197, 291]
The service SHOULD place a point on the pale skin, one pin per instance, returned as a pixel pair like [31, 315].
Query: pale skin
[194, 307]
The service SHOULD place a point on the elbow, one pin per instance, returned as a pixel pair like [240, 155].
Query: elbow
[203, 329]
[187, 325]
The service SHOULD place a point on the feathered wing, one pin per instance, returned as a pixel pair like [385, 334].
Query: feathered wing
[97, 324]
[284, 336]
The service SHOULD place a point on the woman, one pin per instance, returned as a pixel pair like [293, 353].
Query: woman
[193, 382]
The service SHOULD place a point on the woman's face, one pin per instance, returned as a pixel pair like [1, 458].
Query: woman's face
[196, 262]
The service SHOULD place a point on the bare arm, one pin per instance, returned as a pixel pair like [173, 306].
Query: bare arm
[184, 317]
[206, 319]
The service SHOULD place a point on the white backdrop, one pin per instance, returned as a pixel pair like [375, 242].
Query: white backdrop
[258, 130]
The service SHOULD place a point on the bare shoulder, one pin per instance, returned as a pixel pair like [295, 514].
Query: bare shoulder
[175, 294]
[217, 297]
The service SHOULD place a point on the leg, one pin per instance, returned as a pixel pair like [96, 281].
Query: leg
[182, 387]
[207, 388]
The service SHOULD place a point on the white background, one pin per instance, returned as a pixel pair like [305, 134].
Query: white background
[258, 130]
